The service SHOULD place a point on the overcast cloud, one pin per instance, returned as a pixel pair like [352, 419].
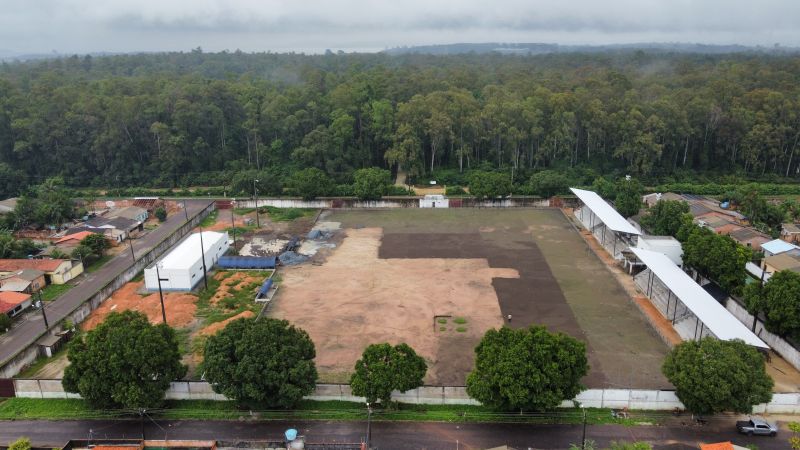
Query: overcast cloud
[80, 26]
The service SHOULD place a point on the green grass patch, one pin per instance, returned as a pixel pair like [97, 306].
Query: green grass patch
[209, 220]
[461, 329]
[241, 230]
[24, 408]
[442, 328]
[182, 334]
[93, 267]
[53, 291]
[241, 299]
[287, 214]
[460, 320]
[243, 211]
[139, 277]
[442, 321]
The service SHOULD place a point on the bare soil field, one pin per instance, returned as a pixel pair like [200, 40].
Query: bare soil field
[407, 275]
[180, 306]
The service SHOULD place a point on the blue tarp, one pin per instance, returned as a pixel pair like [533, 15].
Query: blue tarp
[262, 292]
[246, 262]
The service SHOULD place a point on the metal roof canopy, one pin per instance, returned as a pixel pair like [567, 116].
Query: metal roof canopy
[185, 255]
[778, 246]
[605, 212]
[715, 317]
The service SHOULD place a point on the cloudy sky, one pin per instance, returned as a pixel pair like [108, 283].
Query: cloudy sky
[80, 26]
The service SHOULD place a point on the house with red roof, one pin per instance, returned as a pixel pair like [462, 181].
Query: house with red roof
[56, 271]
[71, 241]
[13, 303]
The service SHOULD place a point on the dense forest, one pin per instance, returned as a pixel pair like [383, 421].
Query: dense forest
[187, 119]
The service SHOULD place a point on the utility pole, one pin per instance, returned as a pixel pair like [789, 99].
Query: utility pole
[141, 421]
[583, 437]
[203, 258]
[44, 314]
[185, 211]
[369, 416]
[255, 194]
[233, 229]
[161, 294]
[133, 255]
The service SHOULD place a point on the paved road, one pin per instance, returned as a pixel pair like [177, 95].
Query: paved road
[389, 435]
[31, 329]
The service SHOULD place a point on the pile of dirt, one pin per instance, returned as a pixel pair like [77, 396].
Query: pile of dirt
[232, 282]
[292, 258]
[180, 306]
[215, 327]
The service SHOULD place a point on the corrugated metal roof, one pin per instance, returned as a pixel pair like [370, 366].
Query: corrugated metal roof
[777, 246]
[187, 253]
[713, 315]
[605, 212]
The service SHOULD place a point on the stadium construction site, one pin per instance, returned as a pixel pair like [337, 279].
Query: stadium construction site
[438, 279]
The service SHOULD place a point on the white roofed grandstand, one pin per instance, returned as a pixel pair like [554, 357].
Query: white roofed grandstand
[693, 311]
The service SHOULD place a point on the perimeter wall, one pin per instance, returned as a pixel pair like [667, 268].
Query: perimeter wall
[432, 395]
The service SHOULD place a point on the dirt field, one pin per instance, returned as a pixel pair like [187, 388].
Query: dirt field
[180, 307]
[397, 270]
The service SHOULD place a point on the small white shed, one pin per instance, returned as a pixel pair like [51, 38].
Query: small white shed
[667, 245]
[434, 201]
[182, 268]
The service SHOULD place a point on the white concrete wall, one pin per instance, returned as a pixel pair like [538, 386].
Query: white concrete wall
[780, 346]
[784, 403]
[434, 203]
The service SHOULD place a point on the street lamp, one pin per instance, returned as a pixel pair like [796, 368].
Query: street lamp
[233, 228]
[255, 194]
[160, 293]
[203, 257]
[369, 416]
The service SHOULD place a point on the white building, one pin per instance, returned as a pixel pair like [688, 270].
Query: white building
[667, 245]
[182, 268]
[434, 201]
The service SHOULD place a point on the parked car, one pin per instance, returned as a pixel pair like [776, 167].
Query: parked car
[756, 425]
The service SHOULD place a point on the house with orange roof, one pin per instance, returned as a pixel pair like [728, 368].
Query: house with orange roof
[71, 241]
[56, 271]
[13, 303]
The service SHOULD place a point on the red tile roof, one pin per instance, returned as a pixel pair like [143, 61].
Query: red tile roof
[717, 446]
[45, 265]
[10, 300]
[77, 236]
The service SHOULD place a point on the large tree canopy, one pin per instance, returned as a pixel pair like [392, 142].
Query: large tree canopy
[779, 300]
[198, 118]
[489, 185]
[371, 184]
[715, 256]
[384, 368]
[666, 217]
[714, 376]
[265, 362]
[527, 369]
[125, 362]
[628, 200]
